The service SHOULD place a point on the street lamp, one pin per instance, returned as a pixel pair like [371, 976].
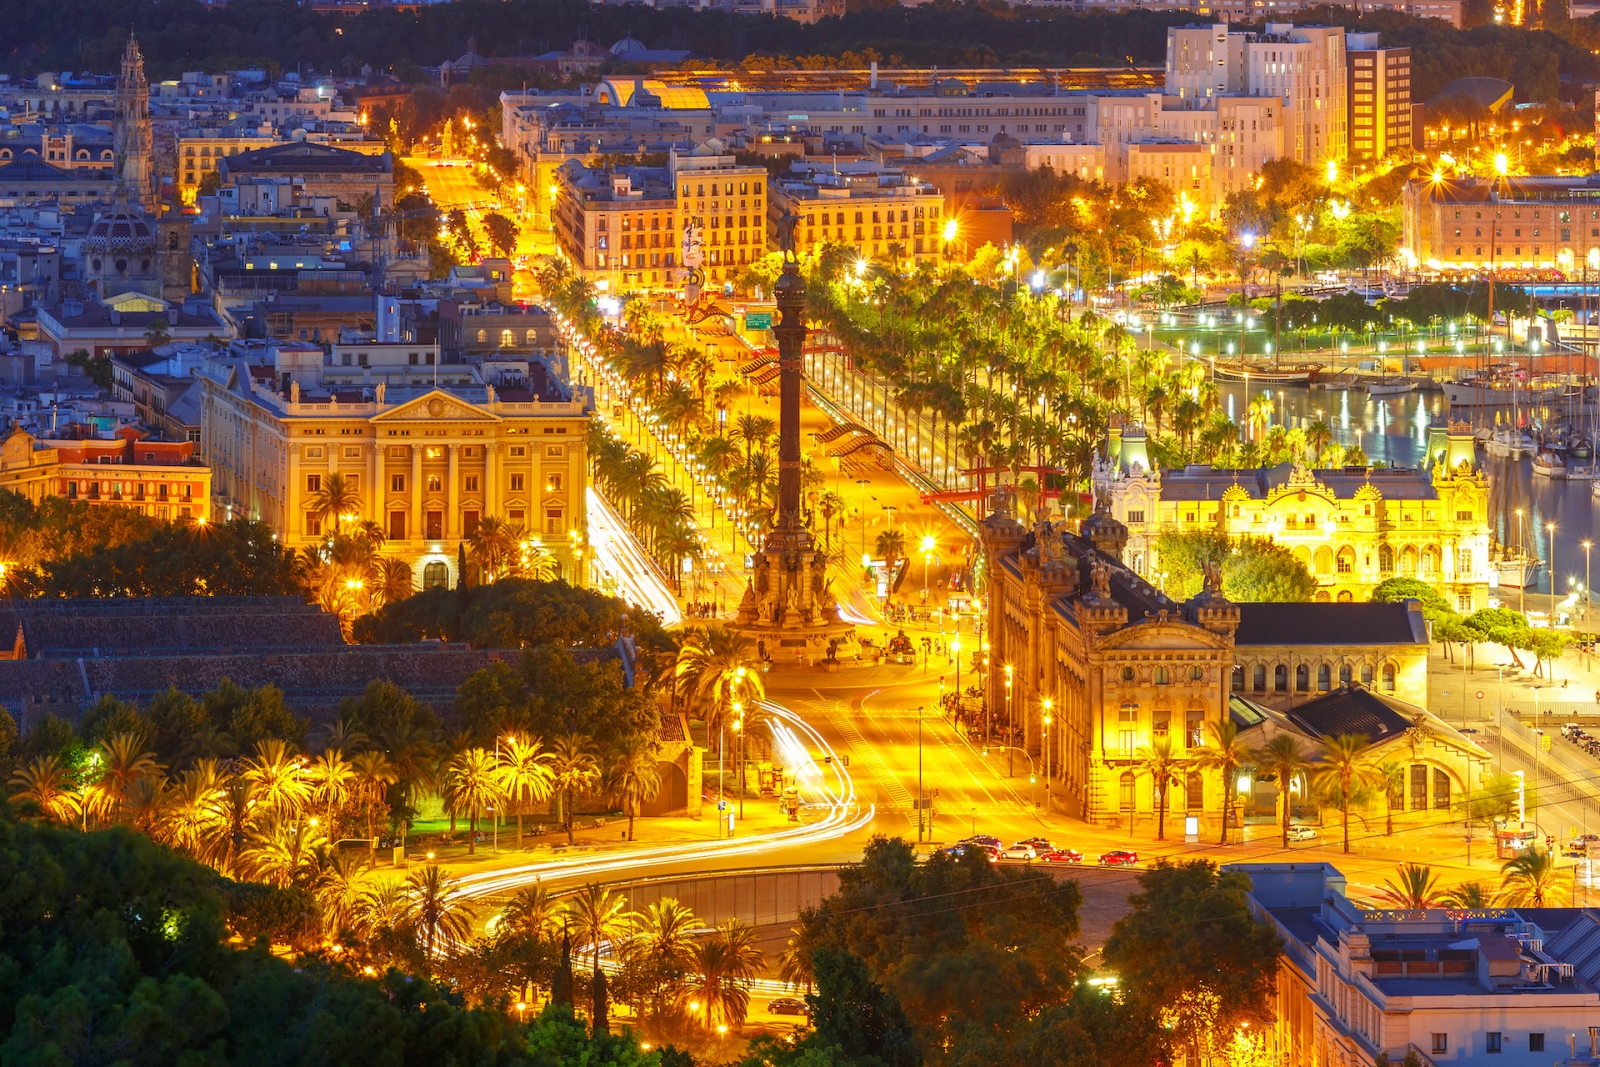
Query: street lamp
[928, 545]
[1586, 593]
[955, 654]
[1049, 705]
[1550, 554]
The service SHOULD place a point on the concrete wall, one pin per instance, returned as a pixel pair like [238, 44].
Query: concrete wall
[760, 898]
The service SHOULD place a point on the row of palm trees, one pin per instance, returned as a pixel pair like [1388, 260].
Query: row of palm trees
[1341, 773]
[1526, 880]
[676, 964]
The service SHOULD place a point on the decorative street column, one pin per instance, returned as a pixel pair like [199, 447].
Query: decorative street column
[452, 513]
[415, 532]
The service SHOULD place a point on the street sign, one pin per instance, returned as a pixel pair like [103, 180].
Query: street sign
[1544, 742]
[917, 805]
[758, 320]
[1480, 694]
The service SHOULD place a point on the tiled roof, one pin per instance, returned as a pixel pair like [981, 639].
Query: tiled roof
[1354, 710]
[1329, 624]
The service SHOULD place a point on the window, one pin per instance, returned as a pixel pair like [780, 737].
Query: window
[1324, 678]
[397, 483]
[553, 525]
[313, 483]
[1419, 787]
[1491, 1041]
[1366, 674]
[1388, 677]
[1161, 676]
[1344, 674]
[1236, 678]
[397, 526]
[435, 525]
[516, 483]
[1194, 792]
[1125, 797]
[469, 523]
[553, 484]
[1535, 1042]
[436, 575]
[1194, 728]
[1127, 674]
[472, 483]
[1302, 678]
[435, 483]
[1441, 790]
[1160, 722]
[1280, 678]
[1259, 680]
[1441, 1042]
[313, 525]
[1136, 516]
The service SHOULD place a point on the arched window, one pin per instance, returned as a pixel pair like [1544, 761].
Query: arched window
[1196, 673]
[1161, 676]
[1302, 677]
[1408, 561]
[1323, 560]
[1344, 674]
[1324, 678]
[1385, 559]
[1430, 561]
[1366, 675]
[1322, 596]
[1127, 674]
[1194, 791]
[1126, 791]
[1345, 596]
[1160, 722]
[1280, 678]
[1259, 680]
[483, 337]
[506, 339]
[436, 575]
[1346, 561]
[1194, 728]
[1441, 790]
[1388, 677]
[531, 337]
[1236, 678]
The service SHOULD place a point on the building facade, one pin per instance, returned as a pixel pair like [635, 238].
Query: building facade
[1380, 99]
[1352, 528]
[428, 463]
[1472, 224]
[161, 479]
[877, 211]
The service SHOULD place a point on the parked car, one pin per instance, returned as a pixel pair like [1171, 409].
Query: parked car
[788, 1006]
[982, 839]
[1040, 845]
[1120, 857]
[1020, 851]
[1302, 833]
[1063, 855]
[960, 849]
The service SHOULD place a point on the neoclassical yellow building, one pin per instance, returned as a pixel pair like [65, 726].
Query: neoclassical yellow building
[428, 463]
[1352, 527]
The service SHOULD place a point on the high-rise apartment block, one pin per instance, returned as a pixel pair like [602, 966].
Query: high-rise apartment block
[1380, 98]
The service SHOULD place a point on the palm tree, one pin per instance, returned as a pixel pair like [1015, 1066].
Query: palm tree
[1163, 768]
[392, 581]
[663, 946]
[1391, 778]
[1224, 752]
[717, 666]
[437, 909]
[339, 886]
[472, 783]
[1469, 896]
[572, 767]
[279, 777]
[892, 547]
[534, 912]
[634, 777]
[1283, 758]
[281, 851]
[122, 760]
[336, 498]
[49, 785]
[1339, 772]
[1417, 888]
[794, 965]
[492, 545]
[525, 774]
[374, 774]
[1529, 878]
[600, 915]
[720, 974]
[193, 812]
[331, 778]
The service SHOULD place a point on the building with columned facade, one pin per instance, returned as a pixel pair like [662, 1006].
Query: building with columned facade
[427, 462]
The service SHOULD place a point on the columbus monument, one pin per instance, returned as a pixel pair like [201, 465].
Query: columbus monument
[789, 603]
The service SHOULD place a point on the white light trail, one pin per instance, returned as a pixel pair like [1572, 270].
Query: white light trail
[620, 556]
[828, 785]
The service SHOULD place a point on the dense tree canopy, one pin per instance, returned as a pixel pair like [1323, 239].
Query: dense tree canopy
[1254, 569]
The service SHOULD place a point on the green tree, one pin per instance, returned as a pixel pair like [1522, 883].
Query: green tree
[500, 232]
[1340, 772]
[1283, 759]
[1416, 888]
[1530, 878]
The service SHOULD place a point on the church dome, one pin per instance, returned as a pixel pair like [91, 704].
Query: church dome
[121, 230]
[626, 45]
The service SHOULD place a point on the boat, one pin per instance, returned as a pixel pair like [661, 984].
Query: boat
[1579, 447]
[1503, 385]
[1390, 386]
[1508, 443]
[1265, 372]
[1547, 464]
[1519, 572]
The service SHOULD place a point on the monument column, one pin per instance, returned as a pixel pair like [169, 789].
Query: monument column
[791, 332]
[452, 514]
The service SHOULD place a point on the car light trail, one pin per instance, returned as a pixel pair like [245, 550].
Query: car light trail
[828, 786]
[620, 556]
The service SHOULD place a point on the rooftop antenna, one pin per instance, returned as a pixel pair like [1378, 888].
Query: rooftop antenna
[436, 361]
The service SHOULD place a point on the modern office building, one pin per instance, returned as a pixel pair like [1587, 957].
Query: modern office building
[1380, 99]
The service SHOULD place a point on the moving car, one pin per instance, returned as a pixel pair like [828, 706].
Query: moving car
[1040, 845]
[788, 1006]
[1020, 851]
[959, 850]
[1302, 833]
[982, 839]
[1063, 855]
[1119, 857]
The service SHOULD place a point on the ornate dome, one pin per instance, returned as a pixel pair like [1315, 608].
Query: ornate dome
[121, 230]
[626, 45]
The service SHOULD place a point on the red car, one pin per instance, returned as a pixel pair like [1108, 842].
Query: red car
[1063, 855]
[1119, 858]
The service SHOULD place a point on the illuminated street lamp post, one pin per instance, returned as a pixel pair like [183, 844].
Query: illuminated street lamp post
[1049, 705]
[1550, 553]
